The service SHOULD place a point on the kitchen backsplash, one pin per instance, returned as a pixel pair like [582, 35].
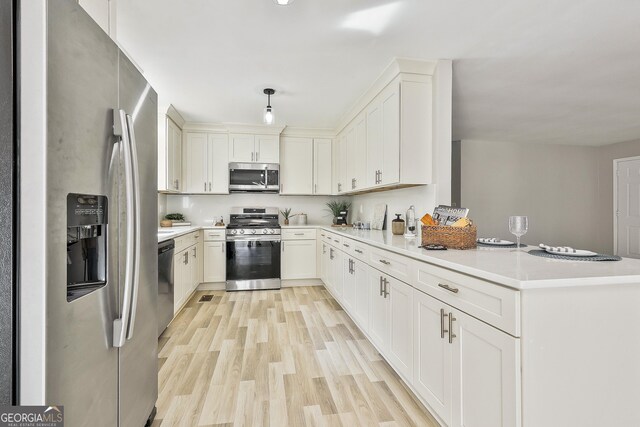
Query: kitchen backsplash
[397, 201]
[202, 209]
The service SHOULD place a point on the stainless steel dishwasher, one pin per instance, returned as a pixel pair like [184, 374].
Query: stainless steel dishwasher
[165, 284]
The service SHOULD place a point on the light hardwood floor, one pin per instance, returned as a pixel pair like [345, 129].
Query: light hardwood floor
[276, 358]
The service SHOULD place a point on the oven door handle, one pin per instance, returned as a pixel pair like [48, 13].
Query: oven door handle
[253, 239]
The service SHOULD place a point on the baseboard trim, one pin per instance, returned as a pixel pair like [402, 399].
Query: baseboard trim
[293, 283]
[217, 286]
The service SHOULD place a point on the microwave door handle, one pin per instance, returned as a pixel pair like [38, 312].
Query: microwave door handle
[120, 325]
[137, 240]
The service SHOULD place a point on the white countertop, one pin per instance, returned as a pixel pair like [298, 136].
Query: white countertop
[166, 233]
[506, 266]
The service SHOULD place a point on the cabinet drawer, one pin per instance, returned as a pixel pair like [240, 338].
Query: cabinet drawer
[214, 235]
[394, 265]
[359, 250]
[335, 240]
[298, 234]
[491, 303]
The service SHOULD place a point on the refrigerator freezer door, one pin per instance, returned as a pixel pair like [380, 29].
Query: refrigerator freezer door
[138, 356]
[82, 157]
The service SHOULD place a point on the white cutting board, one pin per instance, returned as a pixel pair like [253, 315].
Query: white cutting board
[379, 213]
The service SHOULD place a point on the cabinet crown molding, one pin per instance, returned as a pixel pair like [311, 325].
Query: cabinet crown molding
[233, 128]
[406, 68]
[175, 115]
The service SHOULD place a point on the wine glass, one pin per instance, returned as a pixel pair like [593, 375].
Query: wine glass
[518, 226]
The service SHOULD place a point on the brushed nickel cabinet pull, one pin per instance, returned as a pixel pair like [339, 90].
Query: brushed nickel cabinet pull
[209, 186]
[386, 292]
[345, 245]
[337, 241]
[381, 291]
[442, 329]
[451, 334]
[205, 186]
[449, 288]
[359, 251]
[384, 261]
[298, 234]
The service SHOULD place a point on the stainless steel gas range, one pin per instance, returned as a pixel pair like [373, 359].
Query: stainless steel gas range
[253, 249]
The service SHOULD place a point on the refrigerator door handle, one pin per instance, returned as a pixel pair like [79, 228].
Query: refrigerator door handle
[120, 325]
[137, 239]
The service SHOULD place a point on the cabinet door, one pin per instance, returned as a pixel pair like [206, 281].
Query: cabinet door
[298, 259]
[194, 263]
[361, 311]
[218, 156]
[391, 134]
[432, 354]
[378, 312]
[179, 262]
[335, 164]
[348, 285]
[214, 262]
[241, 148]
[200, 257]
[267, 148]
[322, 166]
[348, 159]
[400, 297]
[196, 168]
[374, 143]
[486, 374]
[174, 156]
[296, 166]
[336, 274]
[358, 160]
[344, 181]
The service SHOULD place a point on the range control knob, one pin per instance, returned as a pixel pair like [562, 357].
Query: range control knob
[253, 231]
[265, 231]
[232, 231]
[272, 231]
[241, 231]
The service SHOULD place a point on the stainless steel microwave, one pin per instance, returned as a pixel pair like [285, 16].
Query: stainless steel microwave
[254, 177]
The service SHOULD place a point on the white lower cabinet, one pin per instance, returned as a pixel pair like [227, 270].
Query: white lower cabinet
[379, 312]
[400, 300]
[335, 273]
[361, 309]
[485, 374]
[185, 275]
[348, 284]
[298, 259]
[215, 262]
[432, 354]
[467, 371]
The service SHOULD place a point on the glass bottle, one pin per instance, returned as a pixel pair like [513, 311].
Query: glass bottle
[411, 222]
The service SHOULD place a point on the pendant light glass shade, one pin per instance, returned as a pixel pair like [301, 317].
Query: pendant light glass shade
[268, 117]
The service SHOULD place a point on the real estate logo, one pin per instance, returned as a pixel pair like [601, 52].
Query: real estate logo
[31, 416]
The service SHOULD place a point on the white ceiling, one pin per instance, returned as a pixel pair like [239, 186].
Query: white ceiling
[561, 71]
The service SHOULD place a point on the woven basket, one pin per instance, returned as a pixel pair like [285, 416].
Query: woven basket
[451, 237]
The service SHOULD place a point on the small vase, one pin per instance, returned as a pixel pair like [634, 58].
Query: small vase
[335, 220]
[286, 221]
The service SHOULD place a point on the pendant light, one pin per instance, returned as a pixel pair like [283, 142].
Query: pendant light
[283, 2]
[269, 117]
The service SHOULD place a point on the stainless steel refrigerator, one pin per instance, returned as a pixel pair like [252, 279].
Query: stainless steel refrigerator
[101, 201]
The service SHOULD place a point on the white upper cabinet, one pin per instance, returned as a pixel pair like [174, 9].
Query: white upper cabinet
[206, 166]
[267, 148]
[196, 169]
[250, 148]
[356, 157]
[242, 148]
[296, 168]
[173, 158]
[322, 166]
[340, 164]
[383, 138]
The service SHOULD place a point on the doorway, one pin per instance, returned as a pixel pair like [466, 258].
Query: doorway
[626, 206]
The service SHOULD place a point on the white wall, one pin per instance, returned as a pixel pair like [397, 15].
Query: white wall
[162, 206]
[567, 191]
[202, 209]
